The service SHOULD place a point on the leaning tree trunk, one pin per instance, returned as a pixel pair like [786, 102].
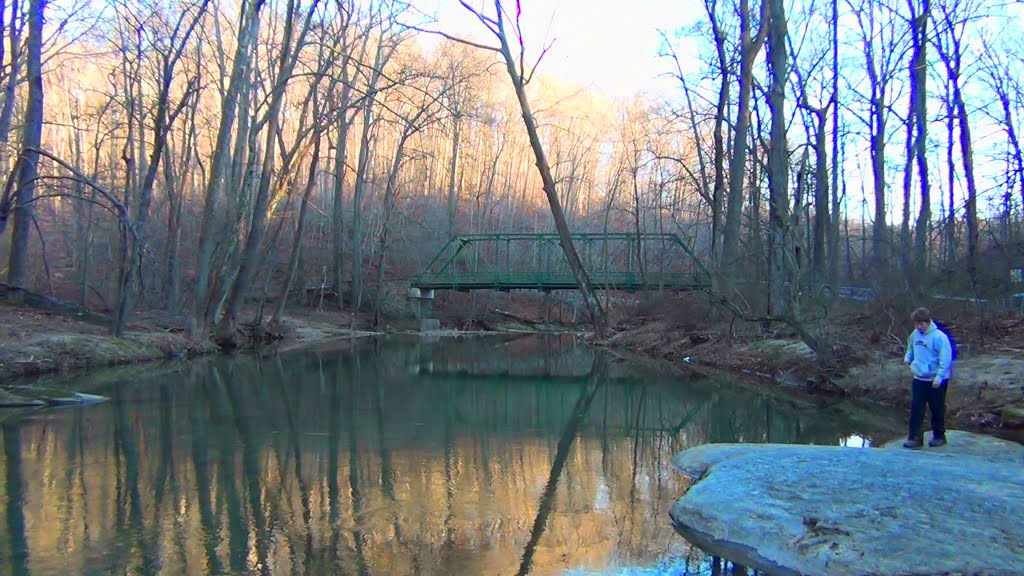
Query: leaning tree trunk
[575, 264]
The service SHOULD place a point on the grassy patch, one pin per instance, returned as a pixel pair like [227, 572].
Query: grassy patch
[66, 351]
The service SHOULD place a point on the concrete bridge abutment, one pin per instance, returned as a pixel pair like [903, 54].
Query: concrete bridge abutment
[421, 305]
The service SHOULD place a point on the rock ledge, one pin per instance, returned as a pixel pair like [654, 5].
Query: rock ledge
[786, 509]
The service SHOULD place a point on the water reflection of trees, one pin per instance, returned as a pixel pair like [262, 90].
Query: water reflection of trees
[345, 463]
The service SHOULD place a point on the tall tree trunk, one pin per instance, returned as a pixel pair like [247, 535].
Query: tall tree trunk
[738, 163]
[967, 155]
[833, 277]
[919, 97]
[906, 244]
[822, 218]
[780, 276]
[291, 46]
[950, 225]
[362, 168]
[719, 134]
[878, 76]
[453, 192]
[13, 41]
[381, 56]
[338, 209]
[248, 30]
[32, 130]
[344, 124]
[174, 201]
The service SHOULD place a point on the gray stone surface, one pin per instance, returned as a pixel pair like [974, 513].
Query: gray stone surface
[971, 444]
[787, 509]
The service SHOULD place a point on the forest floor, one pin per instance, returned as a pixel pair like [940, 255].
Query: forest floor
[986, 394]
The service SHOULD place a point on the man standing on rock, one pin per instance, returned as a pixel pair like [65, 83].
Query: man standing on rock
[930, 357]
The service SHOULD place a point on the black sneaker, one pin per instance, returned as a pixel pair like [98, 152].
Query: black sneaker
[937, 441]
[913, 443]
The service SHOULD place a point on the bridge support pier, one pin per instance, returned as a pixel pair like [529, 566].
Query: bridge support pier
[421, 305]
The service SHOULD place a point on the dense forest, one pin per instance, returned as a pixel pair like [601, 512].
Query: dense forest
[200, 155]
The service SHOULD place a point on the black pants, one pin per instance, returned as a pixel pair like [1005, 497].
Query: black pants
[922, 393]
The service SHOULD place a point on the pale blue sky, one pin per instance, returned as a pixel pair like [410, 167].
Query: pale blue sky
[608, 45]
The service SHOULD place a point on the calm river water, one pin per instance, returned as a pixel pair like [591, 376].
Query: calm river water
[379, 456]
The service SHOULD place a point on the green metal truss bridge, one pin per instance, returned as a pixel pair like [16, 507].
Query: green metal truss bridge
[523, 261]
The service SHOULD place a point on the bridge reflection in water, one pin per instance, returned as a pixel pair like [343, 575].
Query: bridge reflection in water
[363, 461]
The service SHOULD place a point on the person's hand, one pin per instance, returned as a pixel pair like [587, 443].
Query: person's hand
[937, 384]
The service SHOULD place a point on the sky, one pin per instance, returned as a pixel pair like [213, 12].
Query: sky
[614, 47]
[611, 46]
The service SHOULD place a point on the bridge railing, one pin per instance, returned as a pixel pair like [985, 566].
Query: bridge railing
[537, 261]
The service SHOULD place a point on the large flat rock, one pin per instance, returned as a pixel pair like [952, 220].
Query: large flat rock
[787, 509]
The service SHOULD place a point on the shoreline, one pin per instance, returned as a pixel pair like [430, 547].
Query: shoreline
[986, 395]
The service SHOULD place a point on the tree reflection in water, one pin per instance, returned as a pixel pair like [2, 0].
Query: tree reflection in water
[383, 457]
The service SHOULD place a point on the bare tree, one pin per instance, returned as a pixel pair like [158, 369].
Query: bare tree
[296, 29]
[719, 131]
[169, 43]
[10, 76]
[520, 77]
[920, 14]
[412, 114]
[17, 273]
[389, 38]
[781, 258]
[1001, 78]
[816, 120]
[249, 20]
[954, 16]
[750, 46]
[882, 51]
[350, 35]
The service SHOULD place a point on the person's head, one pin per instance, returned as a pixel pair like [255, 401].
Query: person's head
[922, 319]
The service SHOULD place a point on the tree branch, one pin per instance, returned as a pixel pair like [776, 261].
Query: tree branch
[455, 38]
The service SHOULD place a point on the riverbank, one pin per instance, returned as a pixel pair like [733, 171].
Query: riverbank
[986, 393]
[35, 343]
[47, 336]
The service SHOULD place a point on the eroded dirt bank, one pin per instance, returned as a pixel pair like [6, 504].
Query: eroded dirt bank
[987, 392]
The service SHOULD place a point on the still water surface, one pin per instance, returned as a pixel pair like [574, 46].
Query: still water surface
[381, 456]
